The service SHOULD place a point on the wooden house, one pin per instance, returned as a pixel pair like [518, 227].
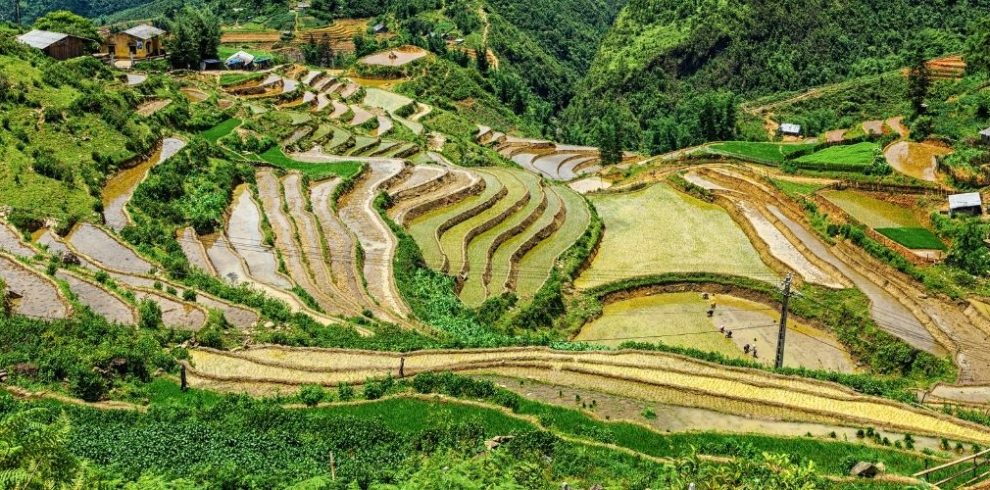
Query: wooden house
[56, 44]
[137, 43]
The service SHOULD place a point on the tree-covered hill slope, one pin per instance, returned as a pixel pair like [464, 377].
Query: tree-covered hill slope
[664, 59]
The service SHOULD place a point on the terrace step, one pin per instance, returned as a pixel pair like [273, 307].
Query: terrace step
[341, 242]
[102, 301]
[269, 189]
[533, 268]
[429, 221]
[363, 144]
[35, 295]
[309, 236]
[511, 250]
[421, 180]
[479, 253]
[455, 240]
[453, 187]
[356, 209]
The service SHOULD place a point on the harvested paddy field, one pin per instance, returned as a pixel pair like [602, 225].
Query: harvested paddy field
[649, 376]
[681, 319]
[247, 239]
[685, 235]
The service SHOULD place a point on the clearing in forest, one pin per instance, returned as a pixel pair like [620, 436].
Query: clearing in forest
[658, 230]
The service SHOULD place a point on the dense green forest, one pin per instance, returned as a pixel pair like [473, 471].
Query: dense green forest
[669, 62]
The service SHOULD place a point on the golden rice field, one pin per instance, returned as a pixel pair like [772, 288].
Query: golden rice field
[649, 376]
[659, 230]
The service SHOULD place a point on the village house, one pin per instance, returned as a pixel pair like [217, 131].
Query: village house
[968, 203]
[56, 44]
[790, 129]
[985, 136]
[141, 42]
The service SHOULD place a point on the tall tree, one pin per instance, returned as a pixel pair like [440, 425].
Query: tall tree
[482, 58]
[977, 53]
[69, 23]
[195, 36]
[919, 79]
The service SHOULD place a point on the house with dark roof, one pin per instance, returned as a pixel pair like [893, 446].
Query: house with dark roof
[58, 45]
[140, 42]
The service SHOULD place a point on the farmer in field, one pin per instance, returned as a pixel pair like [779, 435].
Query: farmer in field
[746, 348]
[754, 353]
[728, 334]
[721, 329]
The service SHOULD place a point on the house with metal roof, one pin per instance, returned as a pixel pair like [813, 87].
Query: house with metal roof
[141, 42]
[790, 129]
[968, 203]
[58, 45]
[985, 136]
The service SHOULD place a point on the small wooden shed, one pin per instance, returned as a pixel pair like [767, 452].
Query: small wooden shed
[58, 45]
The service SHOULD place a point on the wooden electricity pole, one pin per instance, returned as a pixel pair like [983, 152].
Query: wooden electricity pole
[782, 334]
[17, 12]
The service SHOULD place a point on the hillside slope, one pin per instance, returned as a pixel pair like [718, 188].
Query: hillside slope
[664, 56]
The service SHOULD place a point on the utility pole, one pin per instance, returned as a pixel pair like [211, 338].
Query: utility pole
[17, 12]
[782, 334]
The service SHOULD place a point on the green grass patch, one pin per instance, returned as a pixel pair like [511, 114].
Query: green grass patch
[760, 152]
[315, 171]
[220, 130]
[229, 79]
[913, 238]
[796, 189]
[857, 155]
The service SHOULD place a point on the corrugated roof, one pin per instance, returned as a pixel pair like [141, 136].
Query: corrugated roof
[41, 39]
[144, 31]
[790, 128]
[969, 199]
[241, 56]
[985, 132]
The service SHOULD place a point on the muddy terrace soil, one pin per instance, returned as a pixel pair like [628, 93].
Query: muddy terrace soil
[396, 57]
[119, 188]
[918, 160]
[36, 295]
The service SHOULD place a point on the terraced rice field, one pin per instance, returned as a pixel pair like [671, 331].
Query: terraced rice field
[872, 212]
[481, 247]
[120, 188]
[248, 241]
[842, 157]
[356, 210]
[111, 254]
[505, 258]
[424, 228]
[454, 242]
[696, 237]
[681, 319]
[552, 160]
[533, 268]
[340, 242]
[175, 313]
[648, 376]
[783, 250]
[98, 299]
[36, 295]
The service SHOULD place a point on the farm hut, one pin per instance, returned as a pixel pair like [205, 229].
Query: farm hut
[58, 45]
[790, 129]
[262, 62]
[968, 203]
[379, 28]
[140, 42]
[985, 136]
[240, 61]
[210, 64]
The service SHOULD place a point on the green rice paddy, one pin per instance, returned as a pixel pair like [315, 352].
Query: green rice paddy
[220, 130]
[760, 152]
[535, 266]
[658, 230]
[315, 171]
[857, 155]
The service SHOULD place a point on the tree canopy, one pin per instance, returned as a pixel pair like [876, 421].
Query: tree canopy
[68, 23]
[195, 37]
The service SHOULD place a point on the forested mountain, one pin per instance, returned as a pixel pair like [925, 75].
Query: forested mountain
[32, 9]
[665, 60]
